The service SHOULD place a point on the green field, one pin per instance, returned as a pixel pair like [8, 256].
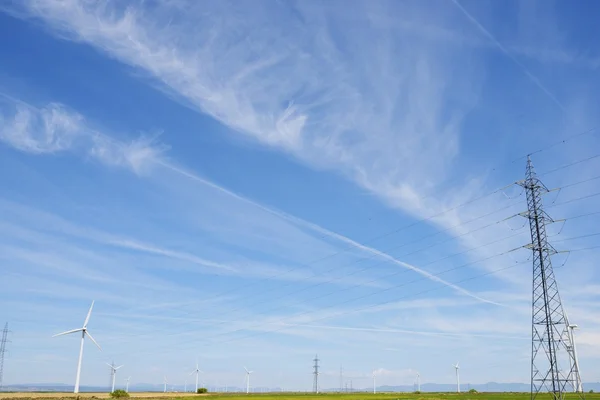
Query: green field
[300, 396]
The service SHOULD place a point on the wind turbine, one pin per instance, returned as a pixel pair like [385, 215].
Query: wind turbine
[248, 379]
[84, 332]
[374, 387]
[165, 390]
[113, 372]
[197, 371]
[456, 367]
[185, 387]
[418, 382]
[578, 386]
[127, 384]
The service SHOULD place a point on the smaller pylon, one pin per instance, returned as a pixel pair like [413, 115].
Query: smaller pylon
[316, 374]
[2, 351]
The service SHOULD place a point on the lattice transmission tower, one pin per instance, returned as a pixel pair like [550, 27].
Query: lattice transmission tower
[316, 374]
[3, 343]
[551, 341]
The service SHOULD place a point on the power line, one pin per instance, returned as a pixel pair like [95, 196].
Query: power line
[397, 273]
[378, 304]
[388, 276]
[297, 315]
[398, 230]
[372, 256]
[402, 271]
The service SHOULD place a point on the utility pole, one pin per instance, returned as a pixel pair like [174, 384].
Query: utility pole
[316, 374]
[551, 341]
[2, 351]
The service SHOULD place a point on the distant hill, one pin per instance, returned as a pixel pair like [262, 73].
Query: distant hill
[425, 387]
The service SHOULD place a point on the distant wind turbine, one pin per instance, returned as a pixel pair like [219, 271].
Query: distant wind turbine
[113, 372]
[248, 379]
[456, 367]
[165, 390]
[374, 387]
[196, 371]
[127, 384]
[418, 382]
[84, 332]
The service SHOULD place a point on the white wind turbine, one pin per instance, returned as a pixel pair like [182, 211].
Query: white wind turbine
[578, 386]
[418, 382]
[248, 379]
[84, 332]
[127, 384]
[196, 371]
[456, 367]
[374, 386]
[113, 372]
[165, 390]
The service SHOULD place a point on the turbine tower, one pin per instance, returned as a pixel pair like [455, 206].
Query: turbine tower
[551, 339]
[197, 372]
[165, 382]
[456, 367]
[127, 384]
[113, 374]
[3, 342]
[84, 332]
[248, 379]
[316, 374]
[418, 382]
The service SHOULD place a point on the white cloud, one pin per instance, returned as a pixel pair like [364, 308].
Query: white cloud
[138, 155]
[54, 129]
[367, 116]
[48, 130]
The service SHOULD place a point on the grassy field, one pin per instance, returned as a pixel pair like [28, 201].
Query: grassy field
[299, 396]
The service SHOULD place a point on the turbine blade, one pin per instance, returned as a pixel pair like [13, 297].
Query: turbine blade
[68, 332]
[246, 369]
[92, 339]
[120, 366]
[110, 365]
[88, 315]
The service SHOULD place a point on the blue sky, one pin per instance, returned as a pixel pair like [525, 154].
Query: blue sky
[251, 183]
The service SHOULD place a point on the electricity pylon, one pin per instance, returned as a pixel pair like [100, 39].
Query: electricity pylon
[2, 351]
[551, 339]
[316, 374]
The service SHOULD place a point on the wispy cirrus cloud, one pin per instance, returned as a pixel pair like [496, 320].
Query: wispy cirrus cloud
[388, 116]
[54, 128]
[324, 108]
[47, 130]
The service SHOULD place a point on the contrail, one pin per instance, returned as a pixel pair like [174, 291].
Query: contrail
[323, 231]
[489, 35]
